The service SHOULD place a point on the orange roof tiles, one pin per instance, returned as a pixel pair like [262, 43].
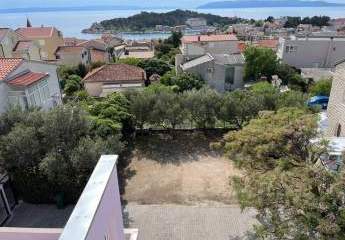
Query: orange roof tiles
[268, 43]
[27, 79]
[116, 73]
[36, 32]
[209, 38]
[7, 65]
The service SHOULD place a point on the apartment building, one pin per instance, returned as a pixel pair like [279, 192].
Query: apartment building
[312, 51]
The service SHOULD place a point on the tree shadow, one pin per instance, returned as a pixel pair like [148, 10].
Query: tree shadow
[176, 147]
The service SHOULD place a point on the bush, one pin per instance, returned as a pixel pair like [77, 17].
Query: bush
[50, 153]
[321, 88]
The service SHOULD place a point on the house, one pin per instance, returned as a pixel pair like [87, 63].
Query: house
[312, 51]
[28, 50]
[199, 45]
[97, 214]
[48, 38]
[223, 72]
[8, 41]
[28, 84]
[73, 55]
[98, 50]
[111, 78]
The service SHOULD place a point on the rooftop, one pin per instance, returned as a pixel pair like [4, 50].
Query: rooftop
[209, 38]
[7, 65]
[27, 78]
[121, 73]
[36, 32]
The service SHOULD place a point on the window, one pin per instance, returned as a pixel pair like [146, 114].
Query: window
[290, 49]
[38, 93]
[229, 75]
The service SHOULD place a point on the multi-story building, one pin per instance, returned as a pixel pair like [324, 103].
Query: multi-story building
[199, 45]
[28, 84]
[215, 58]
[311, 52]
[48, 39]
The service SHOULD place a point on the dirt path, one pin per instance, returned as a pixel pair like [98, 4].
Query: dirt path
[182, 170]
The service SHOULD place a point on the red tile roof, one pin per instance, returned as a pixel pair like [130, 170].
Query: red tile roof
[209, 38]
[36, 32]
[268, 43]
[7, 65]
[116, 73]
[242, 46]
[96, 44]
[23, 45]
[27, 79]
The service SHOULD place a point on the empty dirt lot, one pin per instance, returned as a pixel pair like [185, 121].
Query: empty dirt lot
[179, 170]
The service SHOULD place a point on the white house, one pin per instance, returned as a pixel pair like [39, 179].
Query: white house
[199, 45]
[28, 84]
[311, 52]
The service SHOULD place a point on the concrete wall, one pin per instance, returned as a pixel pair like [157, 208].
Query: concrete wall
[313, 53]
[93, 89]
[98, 213]
[336, 105]
[3, 97]
[108, 221]
[74, 58]
[29, 234]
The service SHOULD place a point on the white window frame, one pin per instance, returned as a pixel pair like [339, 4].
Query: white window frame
[38, 94]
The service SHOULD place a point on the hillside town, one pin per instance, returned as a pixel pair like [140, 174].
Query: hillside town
[111, 138]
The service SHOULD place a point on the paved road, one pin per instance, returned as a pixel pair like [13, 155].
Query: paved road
[175, 222]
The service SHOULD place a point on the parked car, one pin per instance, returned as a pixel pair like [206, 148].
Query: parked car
[316, 101]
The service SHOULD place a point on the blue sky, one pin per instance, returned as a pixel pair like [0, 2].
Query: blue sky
[142, 3]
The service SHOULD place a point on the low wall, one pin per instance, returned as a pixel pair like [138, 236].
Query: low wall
[30, 233]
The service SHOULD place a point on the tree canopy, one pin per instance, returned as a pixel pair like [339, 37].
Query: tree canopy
[295, 196]
[259, 62]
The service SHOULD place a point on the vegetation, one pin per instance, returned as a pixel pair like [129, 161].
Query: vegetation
[148, 20]
[293, 22]
[168, 48]
[259, 62]
[321, 88]
[296, 198]
[182, 82]
[51, 153]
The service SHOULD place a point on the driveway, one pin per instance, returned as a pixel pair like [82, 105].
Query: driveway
[176, 222]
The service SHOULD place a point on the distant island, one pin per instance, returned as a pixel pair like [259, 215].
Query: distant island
[147, 21]
[268, 3]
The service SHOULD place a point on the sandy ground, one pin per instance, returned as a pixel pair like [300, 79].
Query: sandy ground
[180, 170]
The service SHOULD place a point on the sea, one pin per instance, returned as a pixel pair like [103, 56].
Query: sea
[72, 22]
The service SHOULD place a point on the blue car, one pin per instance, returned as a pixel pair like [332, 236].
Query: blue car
[318, 101]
